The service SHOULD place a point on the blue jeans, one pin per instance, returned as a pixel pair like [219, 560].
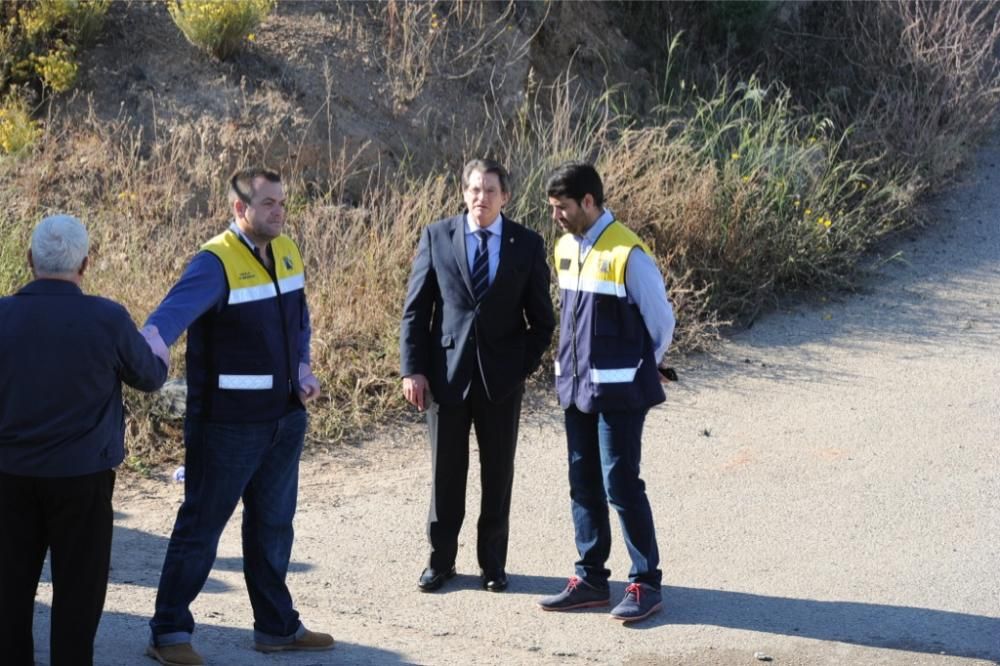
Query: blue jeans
[223, 462]
[605, 450]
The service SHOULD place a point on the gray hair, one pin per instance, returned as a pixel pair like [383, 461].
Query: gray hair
[59, 245]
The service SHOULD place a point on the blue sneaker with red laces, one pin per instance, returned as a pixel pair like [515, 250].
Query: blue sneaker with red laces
[640, 602]
[576, 594]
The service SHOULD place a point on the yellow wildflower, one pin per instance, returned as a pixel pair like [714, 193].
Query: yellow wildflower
[17, 129]
[57, 69]
[219, 27]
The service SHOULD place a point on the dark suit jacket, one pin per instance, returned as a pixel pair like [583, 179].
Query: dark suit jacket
[445, 334]
[63, 357]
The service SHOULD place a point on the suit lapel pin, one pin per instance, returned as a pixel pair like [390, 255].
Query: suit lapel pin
[511, 240]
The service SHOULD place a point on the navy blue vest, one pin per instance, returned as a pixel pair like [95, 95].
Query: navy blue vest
[606, 358]
[242, 359]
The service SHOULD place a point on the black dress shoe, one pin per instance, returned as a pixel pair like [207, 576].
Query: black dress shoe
[495, 582]
[432, 579]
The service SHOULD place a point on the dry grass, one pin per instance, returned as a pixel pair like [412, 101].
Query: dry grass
[917, 81]
[416, 43]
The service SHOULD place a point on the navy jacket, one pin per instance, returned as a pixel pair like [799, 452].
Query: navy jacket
[446, 334]
[63, 357]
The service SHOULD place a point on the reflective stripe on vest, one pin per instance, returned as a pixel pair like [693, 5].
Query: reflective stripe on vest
[265, 291]
[257, 331]
[246, 382]
[247, 294]
[291, 283]
[613, 375]
[589, 284]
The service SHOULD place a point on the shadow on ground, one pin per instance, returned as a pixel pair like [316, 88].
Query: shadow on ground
[923, 630]
[121, 640]
[137, 558]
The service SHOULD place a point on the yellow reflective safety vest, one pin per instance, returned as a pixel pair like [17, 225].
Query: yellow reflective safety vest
[605, 360]
[242, 358]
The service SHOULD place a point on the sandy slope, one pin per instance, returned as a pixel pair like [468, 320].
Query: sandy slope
[826, 489]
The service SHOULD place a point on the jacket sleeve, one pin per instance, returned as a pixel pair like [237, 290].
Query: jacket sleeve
[305, 333]
[414, 334]
[138, 366]
[538, 310]
[201, 287]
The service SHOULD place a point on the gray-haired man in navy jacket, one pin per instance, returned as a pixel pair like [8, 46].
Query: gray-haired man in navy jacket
[63, 358]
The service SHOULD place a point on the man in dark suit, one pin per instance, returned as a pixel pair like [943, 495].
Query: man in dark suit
[477, 319]
[63, 357]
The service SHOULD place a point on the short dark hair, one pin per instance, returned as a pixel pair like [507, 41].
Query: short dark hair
[485, 167]
[241, 182]
[574, 180]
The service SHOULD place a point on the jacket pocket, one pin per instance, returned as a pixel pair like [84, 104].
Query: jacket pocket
[606, 318]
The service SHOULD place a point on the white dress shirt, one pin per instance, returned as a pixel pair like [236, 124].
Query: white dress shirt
[492, 243]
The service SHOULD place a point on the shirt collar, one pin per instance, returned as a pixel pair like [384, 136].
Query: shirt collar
[471, 227]
[600, 224]
[235, 228]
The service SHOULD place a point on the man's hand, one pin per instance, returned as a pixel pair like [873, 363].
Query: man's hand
[667, 375]
[417, 391]
[156, 344]
[308, 384]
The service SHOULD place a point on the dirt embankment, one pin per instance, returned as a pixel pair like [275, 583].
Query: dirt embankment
[350, 82]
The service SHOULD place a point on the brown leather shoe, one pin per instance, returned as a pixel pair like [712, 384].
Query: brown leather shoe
[310, 641]
[181, 654]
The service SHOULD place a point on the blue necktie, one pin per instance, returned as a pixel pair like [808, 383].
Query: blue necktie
[481, 267]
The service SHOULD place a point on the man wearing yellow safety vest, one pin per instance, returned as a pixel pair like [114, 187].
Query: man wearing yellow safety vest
[615, 328]
[242, 301]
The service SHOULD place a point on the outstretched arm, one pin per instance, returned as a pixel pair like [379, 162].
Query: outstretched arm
[202, 286]
[139, 363]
